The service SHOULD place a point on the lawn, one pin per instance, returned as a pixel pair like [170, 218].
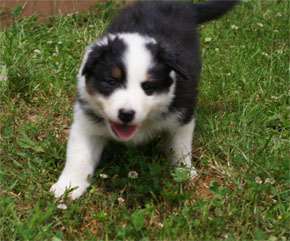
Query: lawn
[241, 142]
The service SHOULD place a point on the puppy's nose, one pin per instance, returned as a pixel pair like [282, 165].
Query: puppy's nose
[126, 115]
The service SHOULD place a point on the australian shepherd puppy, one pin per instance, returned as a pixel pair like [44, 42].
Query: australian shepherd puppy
[138, 80]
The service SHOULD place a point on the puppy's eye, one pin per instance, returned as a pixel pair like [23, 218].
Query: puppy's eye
[111, 82]
[148, 88]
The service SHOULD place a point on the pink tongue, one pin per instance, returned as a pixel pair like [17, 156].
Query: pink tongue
[123, 131]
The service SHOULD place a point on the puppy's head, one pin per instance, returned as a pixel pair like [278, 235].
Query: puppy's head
[129, 79]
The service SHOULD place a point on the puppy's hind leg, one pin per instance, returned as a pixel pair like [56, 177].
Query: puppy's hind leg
[181, 144]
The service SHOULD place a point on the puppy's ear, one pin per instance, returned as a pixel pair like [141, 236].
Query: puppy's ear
[93, 58]
[169, 57]
[174, 61]
[108, 46]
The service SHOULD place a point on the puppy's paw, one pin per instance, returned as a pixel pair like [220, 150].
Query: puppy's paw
[65, 184]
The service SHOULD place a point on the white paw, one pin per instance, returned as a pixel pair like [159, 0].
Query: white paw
[64, 184]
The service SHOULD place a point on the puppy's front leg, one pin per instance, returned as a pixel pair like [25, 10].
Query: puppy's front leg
[83, 154]
[181, 144]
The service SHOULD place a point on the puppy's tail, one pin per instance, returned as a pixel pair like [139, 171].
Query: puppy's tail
[213, 9]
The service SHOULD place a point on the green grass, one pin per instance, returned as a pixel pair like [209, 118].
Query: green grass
[241, 143]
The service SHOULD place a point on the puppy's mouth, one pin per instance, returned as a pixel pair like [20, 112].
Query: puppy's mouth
[124, 132]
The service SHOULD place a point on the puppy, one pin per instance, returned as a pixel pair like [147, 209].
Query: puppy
[138, 80]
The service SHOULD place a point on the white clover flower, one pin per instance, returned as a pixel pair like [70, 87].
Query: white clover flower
[49, 42]
[225, 236]
[62, 206]
[37, 51]
[91, 26]
[258, 180]
[79, 41]
[207, 40]
[217, 49]
[270, 180]
[229, 74]
[59, 42]
[276, 31]
[121, 200]
[104, 176]
[265, 54]
[279, 14]
[133, 175]
[260, 25]
[2, 78]
[234, 27]
[160, 225]
[280, 51]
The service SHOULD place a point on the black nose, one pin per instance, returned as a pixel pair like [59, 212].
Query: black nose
[126, 115]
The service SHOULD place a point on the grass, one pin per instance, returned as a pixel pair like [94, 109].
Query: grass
[241, 143]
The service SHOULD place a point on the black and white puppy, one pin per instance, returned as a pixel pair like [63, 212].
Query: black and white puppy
[138, 80]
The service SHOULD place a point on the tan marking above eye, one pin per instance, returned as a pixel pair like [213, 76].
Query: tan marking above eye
[147, 76]
[116, 72]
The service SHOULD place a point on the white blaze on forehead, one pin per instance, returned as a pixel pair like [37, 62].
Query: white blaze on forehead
[137, 58]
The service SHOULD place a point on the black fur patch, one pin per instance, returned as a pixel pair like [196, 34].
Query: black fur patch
[159, 80]
[98, 70]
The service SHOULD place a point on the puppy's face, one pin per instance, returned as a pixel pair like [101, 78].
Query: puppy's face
[130, 80]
